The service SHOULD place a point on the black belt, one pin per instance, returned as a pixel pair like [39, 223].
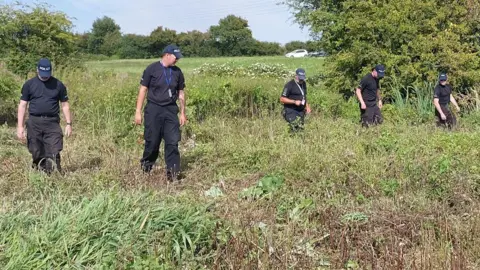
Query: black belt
[44, 115]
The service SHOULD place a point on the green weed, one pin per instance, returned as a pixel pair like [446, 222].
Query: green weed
[109, 229]
[252, 196]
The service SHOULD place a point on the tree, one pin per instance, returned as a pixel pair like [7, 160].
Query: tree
[82, 42]
[415, 40]
[111, 43]
[134, 47]
[232, 36]
[209, 48]
[295, 45]
[313, 46]
[101, 29]
[30, 33]
[267, 48]
[160, 38]
[192, 43]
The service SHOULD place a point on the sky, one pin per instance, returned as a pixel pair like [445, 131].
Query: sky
[267, 20]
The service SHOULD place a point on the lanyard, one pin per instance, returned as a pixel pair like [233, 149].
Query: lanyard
[167, 80]
[301, 89]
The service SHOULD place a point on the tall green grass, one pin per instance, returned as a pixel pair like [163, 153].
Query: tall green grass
[415, 103]
[400, 195]
[105, 101]
[108, 230]
[412, 103]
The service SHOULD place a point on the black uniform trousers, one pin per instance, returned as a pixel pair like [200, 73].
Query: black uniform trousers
[295, 119]
[45, 142]
[161, 122]
[451, 120]
[371, 115]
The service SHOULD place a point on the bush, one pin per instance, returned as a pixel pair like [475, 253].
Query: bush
[9, 91]
[415, 41]
[29, 38]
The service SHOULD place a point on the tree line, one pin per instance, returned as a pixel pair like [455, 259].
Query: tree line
[231, 37]
[29, 32]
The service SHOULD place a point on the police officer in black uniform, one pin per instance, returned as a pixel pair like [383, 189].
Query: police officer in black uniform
[441, 99]
[42, 95]
[368, 94]
[294, 99]
[163, 83]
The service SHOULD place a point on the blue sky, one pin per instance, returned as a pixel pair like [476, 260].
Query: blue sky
[268, 21]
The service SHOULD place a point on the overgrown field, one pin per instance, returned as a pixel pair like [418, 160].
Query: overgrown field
[313, 65]
[404, 195]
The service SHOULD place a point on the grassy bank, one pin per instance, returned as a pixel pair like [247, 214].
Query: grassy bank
[403, 195]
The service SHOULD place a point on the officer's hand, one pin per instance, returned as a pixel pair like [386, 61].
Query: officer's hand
[138, 118]
[363, 106]
[183, 120]
[68, 130]
[21, 134]
[458, 109]
[298, 102]
[308, 110]
[380, 104]
[443, 117]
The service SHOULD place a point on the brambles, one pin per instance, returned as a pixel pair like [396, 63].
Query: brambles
[252, 71]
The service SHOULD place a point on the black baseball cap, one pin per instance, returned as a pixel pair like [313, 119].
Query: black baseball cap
[380, 70]
[442, 77]
[301, 73]
[173, 49]
[44, 67]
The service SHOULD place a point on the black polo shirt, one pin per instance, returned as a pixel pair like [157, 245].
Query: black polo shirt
[43, 96]
[443, 92]
[292, 90]
[369, 86]
[163, 83]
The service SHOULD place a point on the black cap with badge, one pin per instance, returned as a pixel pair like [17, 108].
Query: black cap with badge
[380, 71]
[172, 49]
[44, 68]
[442, 77]
[301, 74]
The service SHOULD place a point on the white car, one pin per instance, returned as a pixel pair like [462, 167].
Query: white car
[297, 53]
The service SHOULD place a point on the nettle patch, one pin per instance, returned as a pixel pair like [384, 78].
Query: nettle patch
[256, 70]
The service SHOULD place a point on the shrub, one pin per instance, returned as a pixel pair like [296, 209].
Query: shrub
[9, 91]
